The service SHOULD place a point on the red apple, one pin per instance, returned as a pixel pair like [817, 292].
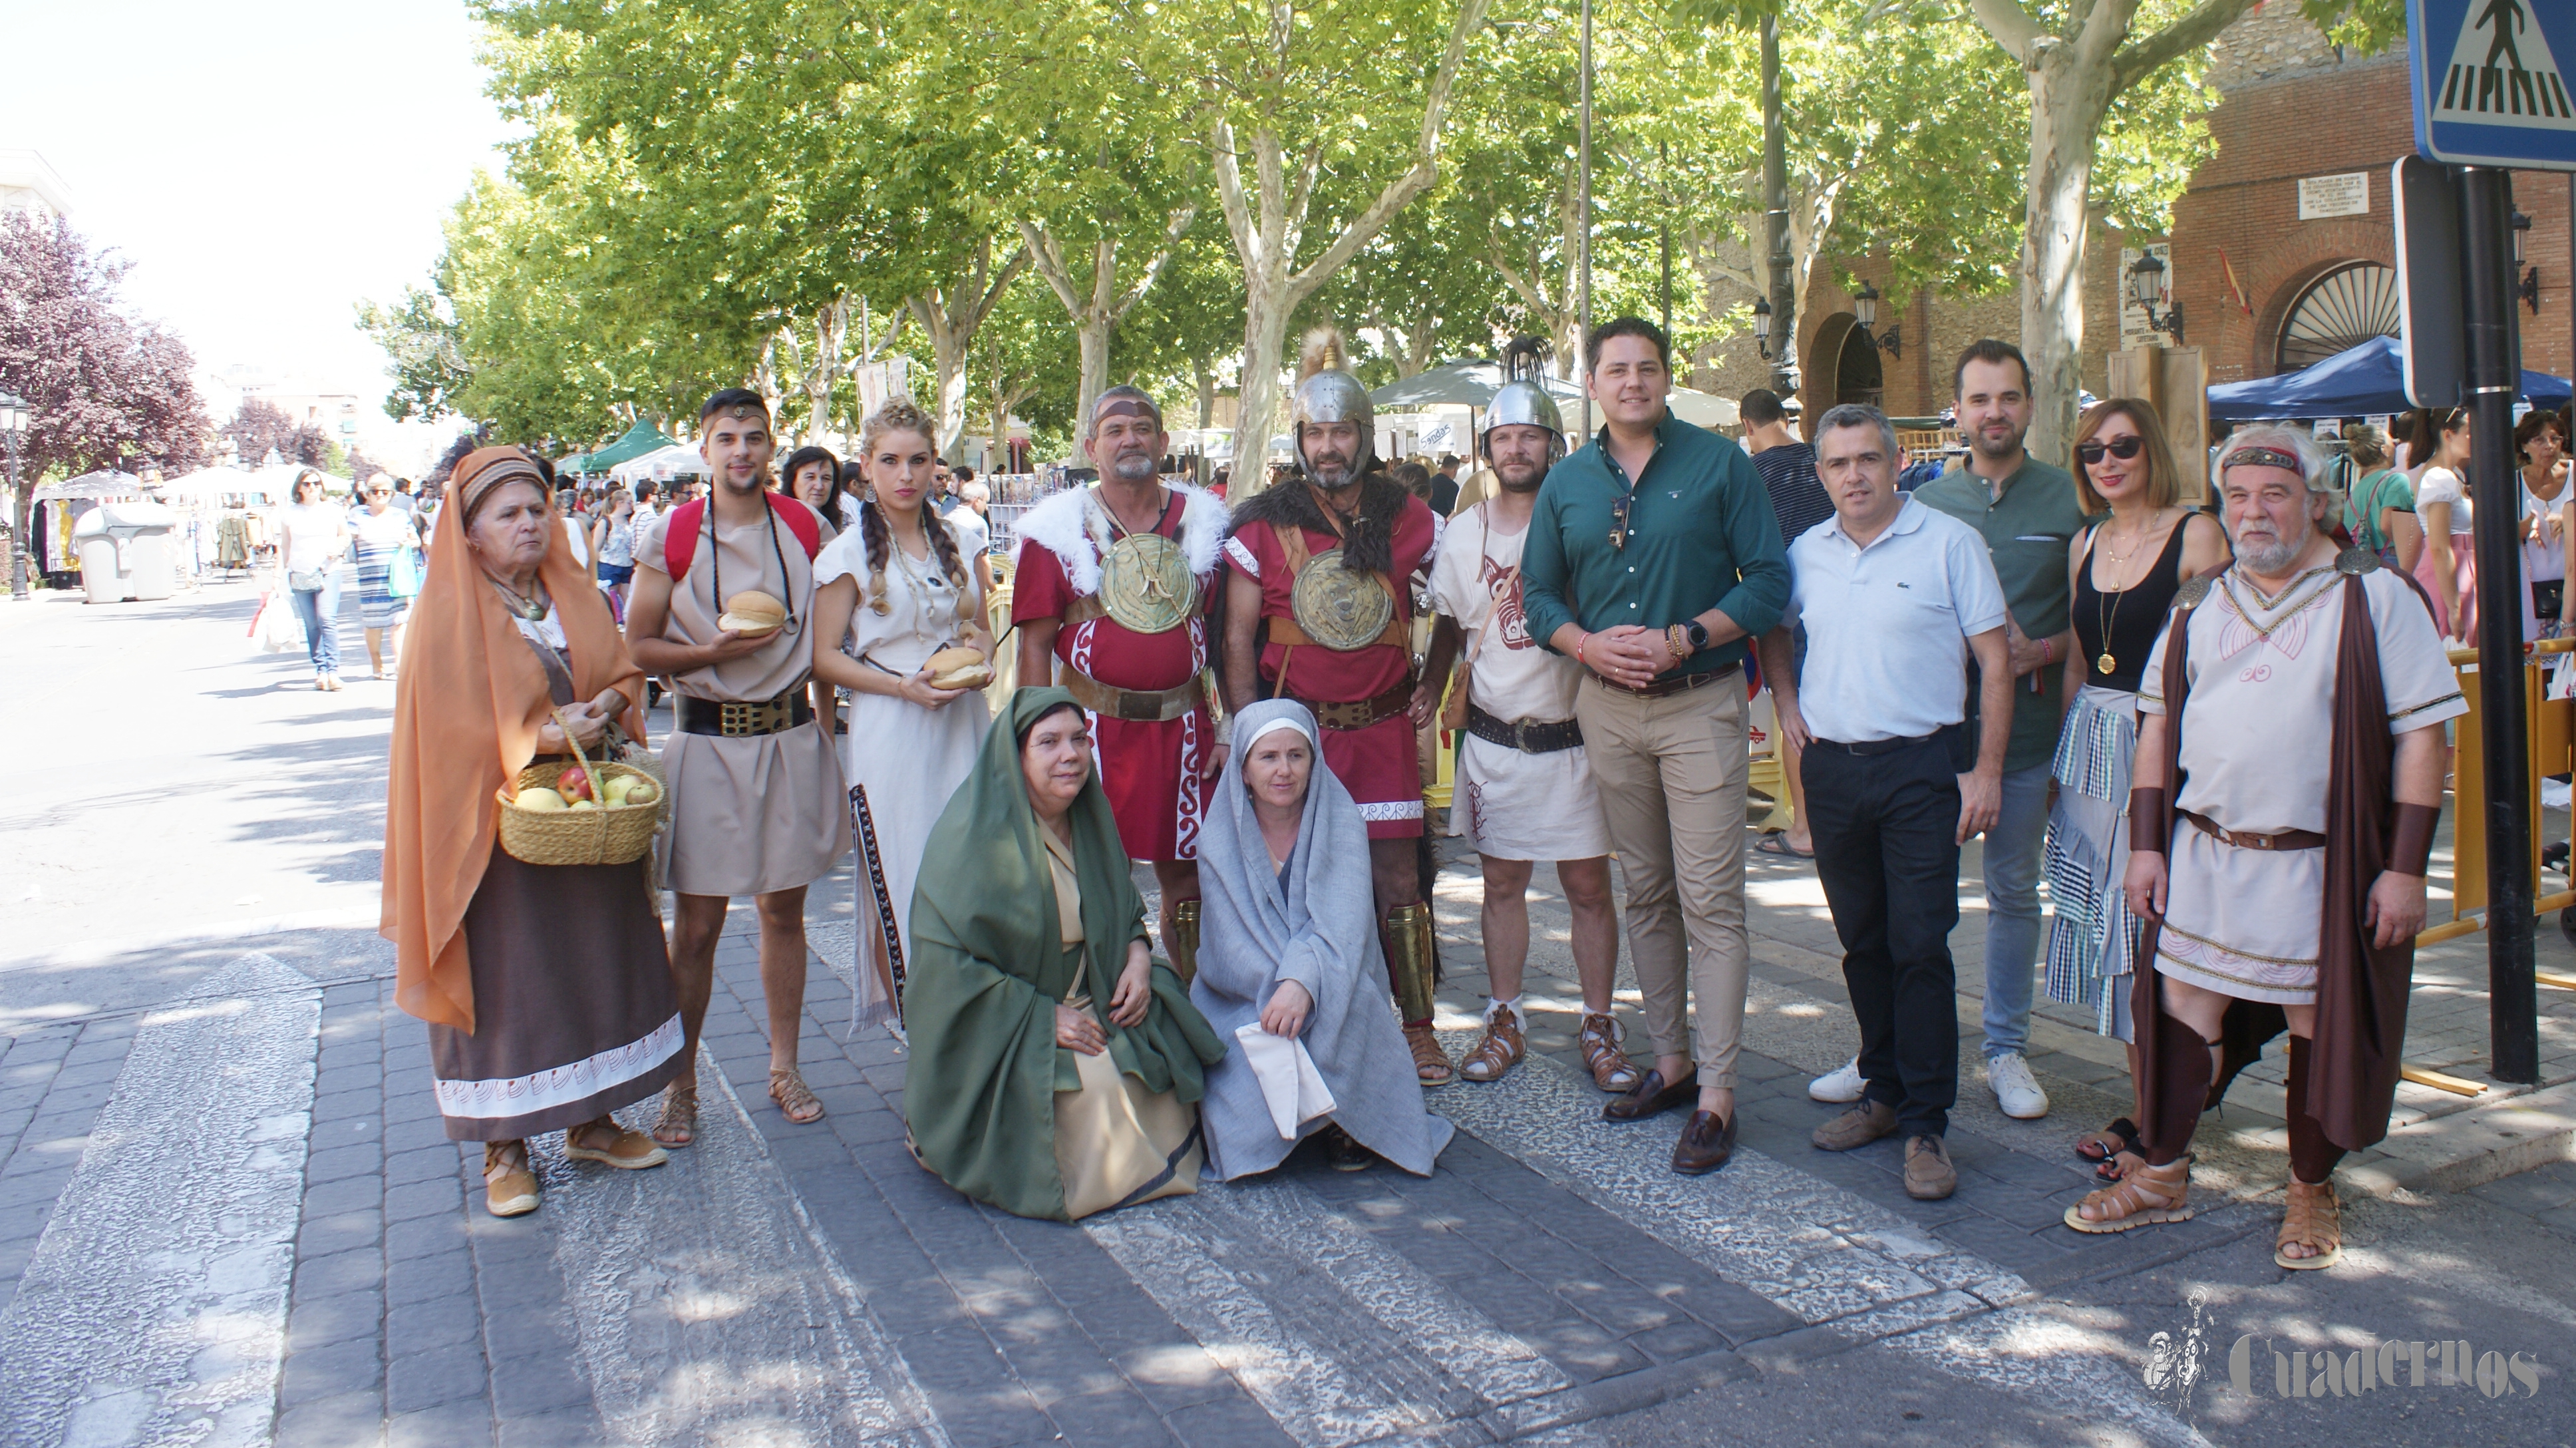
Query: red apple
[573, 783]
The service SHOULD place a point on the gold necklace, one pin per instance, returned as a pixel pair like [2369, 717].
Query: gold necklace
[2108, 664]
[534, 610]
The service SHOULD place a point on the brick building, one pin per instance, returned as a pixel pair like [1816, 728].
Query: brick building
[2294, 200]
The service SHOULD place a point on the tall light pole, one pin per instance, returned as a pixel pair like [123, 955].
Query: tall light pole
[13, 425]
[1583, 243]
[1775, 211]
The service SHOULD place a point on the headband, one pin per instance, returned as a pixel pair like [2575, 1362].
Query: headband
[2264, 457]
[485, 470]
[1125, 407]
[1273, 725]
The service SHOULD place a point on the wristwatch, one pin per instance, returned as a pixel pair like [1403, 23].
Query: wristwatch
[1686, 639]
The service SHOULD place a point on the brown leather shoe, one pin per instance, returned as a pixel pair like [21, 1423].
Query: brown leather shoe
[1499, 1051]
[1705, 1145]
[1430, 1063]
[509, 1186]
[1866, 1122]
[1602, 1040]
[1928, 1174]
[1651, 1097]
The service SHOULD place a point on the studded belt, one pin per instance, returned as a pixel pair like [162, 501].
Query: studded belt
[1361, 713]
[1149, 706]
[734, 719]
[1527, 736]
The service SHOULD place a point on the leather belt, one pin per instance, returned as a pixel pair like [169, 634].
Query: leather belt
[1872, 748]
[1527, 736]
[1670, 683]
[2248, 840]
[1147, 706]
[733, 719]
[1361, 713]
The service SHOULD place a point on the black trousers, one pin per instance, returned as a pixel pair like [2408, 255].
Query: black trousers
[1886, 826]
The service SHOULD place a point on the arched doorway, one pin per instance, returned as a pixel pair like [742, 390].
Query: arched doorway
[1857, 374]
[2347, 306]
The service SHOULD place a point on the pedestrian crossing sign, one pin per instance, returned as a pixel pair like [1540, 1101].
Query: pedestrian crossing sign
[2487, 82]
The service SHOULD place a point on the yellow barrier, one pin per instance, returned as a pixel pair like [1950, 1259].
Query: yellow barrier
[2549, 725]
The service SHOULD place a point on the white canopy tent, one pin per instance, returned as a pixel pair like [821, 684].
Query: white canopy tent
[223, 487]
[661, 465]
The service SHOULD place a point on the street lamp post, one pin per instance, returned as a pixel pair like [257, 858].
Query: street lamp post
[1775, 209]
[1865, 312]
[13, 425]
[2147, 288]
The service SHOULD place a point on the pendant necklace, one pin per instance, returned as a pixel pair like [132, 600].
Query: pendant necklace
[2107, 663]
[534, 610]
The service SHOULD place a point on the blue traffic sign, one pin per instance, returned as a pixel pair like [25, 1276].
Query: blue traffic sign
[2489, 90]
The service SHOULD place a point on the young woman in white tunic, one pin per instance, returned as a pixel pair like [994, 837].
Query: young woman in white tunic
[892, 592]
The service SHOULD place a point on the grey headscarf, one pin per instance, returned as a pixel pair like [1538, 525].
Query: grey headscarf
[1315, 924]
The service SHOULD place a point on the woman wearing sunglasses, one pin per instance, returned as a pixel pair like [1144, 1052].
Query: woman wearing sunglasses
[2124, 571]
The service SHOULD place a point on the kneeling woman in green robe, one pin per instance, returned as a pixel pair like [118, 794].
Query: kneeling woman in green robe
[1055, 1064]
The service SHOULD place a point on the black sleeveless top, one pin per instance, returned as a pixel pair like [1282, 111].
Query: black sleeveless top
[2135, 615]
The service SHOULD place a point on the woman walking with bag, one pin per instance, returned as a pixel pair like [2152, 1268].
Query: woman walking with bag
[389, 569]
[315, 540]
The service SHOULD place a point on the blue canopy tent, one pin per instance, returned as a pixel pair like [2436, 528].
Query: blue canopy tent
[2359, 382]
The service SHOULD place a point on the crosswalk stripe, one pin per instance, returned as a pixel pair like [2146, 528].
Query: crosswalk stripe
[154, 1307]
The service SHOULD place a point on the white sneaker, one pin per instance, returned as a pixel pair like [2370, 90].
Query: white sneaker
[1844, 1085]
[2015, 1091]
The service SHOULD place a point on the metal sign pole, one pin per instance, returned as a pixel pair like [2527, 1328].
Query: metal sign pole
[2494, 377]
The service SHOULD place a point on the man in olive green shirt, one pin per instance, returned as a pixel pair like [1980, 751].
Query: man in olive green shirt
[2028, 512]
[1654, 560]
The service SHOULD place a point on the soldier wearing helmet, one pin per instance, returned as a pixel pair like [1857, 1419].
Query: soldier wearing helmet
[1325, 563]
[1524, 790]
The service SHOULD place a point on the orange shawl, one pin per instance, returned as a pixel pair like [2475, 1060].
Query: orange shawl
[466, 713]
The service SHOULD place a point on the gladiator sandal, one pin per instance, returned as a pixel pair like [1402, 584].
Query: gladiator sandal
[1182, 942]
[796, 1101]
[1408, 968]
[2314, 1220]
[2143, 1197]
[1499, 1051]
[679, 1123]
[1604, 1041]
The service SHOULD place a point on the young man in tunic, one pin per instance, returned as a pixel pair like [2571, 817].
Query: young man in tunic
[2300, 700]
[1325, 561]
[1653, 561]
[1524, 791]
[1893, 597]
[755, 783]
[1110, 594]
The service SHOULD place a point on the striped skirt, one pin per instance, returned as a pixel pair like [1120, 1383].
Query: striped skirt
[377, 607]
[2093, 937]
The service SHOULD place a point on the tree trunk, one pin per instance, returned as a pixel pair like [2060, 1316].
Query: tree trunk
[1266, 311]
[2063, 122]
[951, 321]
[831, 335]
[1206, 376]
[1096, 317]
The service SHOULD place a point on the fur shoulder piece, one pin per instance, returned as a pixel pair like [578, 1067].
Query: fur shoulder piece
[1370, 547]
[1074, 527]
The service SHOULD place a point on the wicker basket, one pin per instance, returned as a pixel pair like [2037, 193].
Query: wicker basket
[602, 836]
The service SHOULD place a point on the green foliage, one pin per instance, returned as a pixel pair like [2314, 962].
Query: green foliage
[428, 350]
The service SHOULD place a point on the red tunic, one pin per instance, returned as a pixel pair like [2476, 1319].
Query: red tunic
[1150, 770]
[1379, 765]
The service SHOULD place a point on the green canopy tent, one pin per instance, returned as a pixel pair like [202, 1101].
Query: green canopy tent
[640, 439]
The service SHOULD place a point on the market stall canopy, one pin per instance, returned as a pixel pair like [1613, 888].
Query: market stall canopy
[100, 486]
[211, 483]
[641, 439]
[662, 465]
[1702, 409]
[1460, 384]
[2364, 381]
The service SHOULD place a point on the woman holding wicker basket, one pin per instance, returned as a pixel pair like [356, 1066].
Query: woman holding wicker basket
[546, 985]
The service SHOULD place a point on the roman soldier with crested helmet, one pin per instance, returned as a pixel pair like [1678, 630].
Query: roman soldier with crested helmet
[1326, 562]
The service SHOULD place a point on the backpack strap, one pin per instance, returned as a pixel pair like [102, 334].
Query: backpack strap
[680, 543]
[801, 521]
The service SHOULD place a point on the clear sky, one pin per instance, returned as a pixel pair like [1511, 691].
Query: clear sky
[264, 165]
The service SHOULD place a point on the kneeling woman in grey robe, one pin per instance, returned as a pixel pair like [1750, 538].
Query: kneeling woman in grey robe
[1288, 939]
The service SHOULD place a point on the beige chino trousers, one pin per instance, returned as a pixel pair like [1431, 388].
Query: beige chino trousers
[1671, 774]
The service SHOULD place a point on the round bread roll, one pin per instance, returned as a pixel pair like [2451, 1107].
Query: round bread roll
[958, 668]
[753, 612]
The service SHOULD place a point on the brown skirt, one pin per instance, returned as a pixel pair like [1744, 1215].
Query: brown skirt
[575, 1010]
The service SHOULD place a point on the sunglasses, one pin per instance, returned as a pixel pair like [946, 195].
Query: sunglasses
[1619, 521]
[2123, 448]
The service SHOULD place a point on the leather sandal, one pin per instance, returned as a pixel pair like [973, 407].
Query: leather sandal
[1604, 1041]
[2110, 1141]
[2315, 1220]
[796, 1101]
[2146, 1196]
[1430, 1063]
[1499, 1051]
[679, 1123]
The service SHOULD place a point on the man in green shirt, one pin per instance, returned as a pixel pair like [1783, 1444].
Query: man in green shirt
[2028, 512]
[1653, 560]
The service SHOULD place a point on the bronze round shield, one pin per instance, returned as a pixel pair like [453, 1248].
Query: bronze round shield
[1338, 608]
[1146, 584]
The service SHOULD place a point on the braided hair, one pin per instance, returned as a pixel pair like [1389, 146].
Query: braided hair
[900, 415]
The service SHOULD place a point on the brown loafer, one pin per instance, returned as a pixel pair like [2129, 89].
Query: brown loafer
[1603, 1056]
[1499, 1051]
[1928, 1174]
[1651, 1097]
[1705, 1145]
[1866, 1122]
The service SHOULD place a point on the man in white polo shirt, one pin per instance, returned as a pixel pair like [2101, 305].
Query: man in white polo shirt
[1895, 596]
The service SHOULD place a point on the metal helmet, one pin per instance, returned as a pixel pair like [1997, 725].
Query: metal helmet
[1326, 393]
[1523, 404]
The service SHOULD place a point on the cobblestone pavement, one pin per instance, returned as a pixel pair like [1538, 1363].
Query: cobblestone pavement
[229, 1214]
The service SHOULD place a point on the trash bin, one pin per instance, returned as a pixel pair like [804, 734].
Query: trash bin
[124, 551]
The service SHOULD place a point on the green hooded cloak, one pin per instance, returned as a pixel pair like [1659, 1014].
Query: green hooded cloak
[988, 968]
